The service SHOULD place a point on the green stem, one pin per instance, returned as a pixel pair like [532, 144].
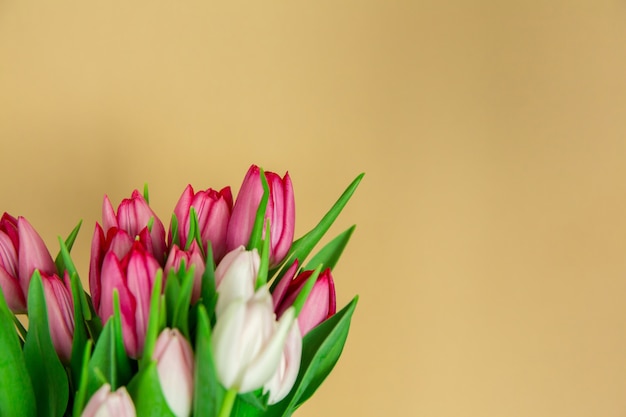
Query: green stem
[229, 401]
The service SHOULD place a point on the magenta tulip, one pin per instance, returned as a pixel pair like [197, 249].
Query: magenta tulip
[117, 241]
[320, 304]
[60, 309]
[213, 210]
[192, 257]
[105, 403]
[133, 215]
[280, 212]
[175, 365]
[21, 252]
[133, 278]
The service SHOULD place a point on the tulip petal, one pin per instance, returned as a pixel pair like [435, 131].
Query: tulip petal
[12, 292]
[32, 254]
[112, 269]
[225, 340]
[60, 309]
[285, 376]
[266, 363]
[109, 219]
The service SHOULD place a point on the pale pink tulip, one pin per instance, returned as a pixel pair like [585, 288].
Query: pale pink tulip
[235, 277]
[105, 403]
[285, 376]
[175, 365]
[248, 343]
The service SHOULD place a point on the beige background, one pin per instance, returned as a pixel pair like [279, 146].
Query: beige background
[490, 253]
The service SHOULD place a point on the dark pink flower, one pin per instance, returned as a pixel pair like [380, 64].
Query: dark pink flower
[60, 309]
[21, 252]
[191, 257]
[320, 304]
[213, 209]
[280, 211]
[133, 278]
[133, 215]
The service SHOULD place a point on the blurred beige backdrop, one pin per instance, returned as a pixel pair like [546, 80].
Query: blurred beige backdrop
[490, 252]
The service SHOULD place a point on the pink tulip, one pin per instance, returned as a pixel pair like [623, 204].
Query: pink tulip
[213, 209]
[133, 277]
[175, 365]
[248, 343]
[117, 241]
[320, 304]
[285, 376]
[60, 309]
[21, 252]
[280, 211]
[133, 215]
[235, 277]
[192, 257]
[105, 403]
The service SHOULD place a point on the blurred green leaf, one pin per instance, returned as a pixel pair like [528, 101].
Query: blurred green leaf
[17, 397]
[302, 247]
[208, 392]
[145, 390]
[50, 383]
[63, 260]
[321, 349]
[257, 230]
[330, 254]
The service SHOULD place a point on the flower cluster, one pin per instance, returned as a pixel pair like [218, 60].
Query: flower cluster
[216, 316]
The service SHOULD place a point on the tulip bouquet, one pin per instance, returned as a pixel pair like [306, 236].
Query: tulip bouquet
[223, 315]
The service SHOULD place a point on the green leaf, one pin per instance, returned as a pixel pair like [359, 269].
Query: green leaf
[257, 229]
[208, 290]
[265, 259]
[208, 392]
[61, 261]
[80, 332]
[321, 348]
[174, 229]
[302, 247]
[146, 193]
[109, 362]
[17, 397]
[153, 329]
[81, 395]
[46, 371]
[145, 390]
[330, 254]
[181, 315]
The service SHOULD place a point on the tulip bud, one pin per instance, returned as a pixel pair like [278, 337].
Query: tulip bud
[235, 277]
[285, 376]
[175, 366]
[133, 278]
[21, 252]
[213, 209]
[280, 211]
[248, 343]
[191, 257]
[60, 309]
[133, 215]
[105, 403]
[320, 304]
